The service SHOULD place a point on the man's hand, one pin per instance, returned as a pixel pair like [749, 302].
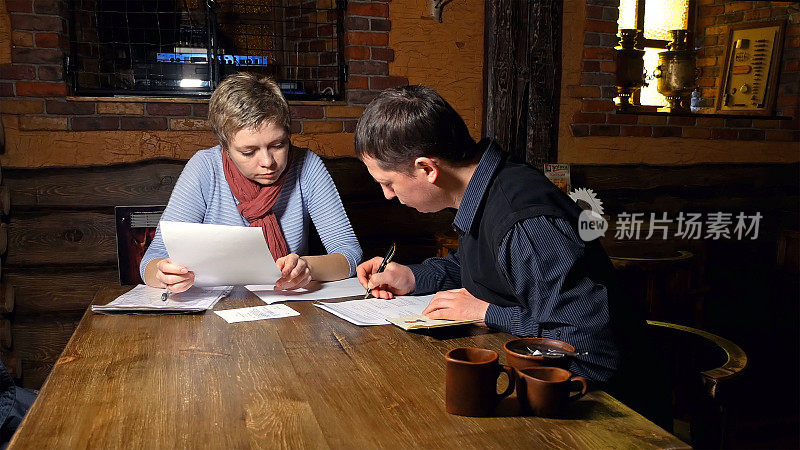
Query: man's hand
[396, 279]
[295, 273]
[173, 276]
[456, 304]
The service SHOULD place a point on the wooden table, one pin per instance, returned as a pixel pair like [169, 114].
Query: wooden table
[311, 381]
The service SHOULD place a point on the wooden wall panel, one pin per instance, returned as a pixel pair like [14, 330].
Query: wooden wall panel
[144, 183]
[42, 341]
[35, 373]
[352, 179]
[771, 189]
[703, 176]
[61, 291]
[59, 236]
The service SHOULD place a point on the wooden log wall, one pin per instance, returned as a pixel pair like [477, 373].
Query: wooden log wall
[7, 352]
[62, 244]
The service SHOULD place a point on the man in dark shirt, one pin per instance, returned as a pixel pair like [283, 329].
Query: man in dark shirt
[520, 266]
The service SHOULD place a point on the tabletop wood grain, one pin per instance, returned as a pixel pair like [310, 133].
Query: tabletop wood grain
[310, 381]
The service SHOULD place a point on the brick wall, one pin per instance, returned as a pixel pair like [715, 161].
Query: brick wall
[310, 38]
[597, 90]
[32, 85]
[712, 33]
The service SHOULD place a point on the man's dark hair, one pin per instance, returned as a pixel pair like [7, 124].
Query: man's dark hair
[404, 123]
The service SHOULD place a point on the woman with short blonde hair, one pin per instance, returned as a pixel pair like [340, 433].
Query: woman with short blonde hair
[256, 178]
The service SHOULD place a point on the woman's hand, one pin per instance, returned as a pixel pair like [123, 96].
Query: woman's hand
[295, 273]
[175, 277]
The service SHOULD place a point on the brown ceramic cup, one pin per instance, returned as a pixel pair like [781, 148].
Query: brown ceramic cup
[518, 357]
[546, 391]
[471, 384]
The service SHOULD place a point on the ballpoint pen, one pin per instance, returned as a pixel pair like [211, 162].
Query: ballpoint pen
[165, 294]
[386, 260]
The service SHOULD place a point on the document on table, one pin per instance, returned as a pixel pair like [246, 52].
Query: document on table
[220, 255]
[146, 299]
[315, 290]
[422, 322]
[375, 311]
[256, 313]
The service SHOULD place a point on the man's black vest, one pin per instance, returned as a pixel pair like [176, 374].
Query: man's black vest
[517, 192]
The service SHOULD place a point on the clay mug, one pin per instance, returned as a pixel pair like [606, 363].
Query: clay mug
[471, 383]
[546, 391]
[518, 354]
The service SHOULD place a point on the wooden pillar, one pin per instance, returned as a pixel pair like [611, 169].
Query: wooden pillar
[523, 77]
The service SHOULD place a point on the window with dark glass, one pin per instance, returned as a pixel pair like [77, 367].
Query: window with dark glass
[186, 47]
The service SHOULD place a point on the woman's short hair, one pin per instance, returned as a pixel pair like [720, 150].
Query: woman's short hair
[246, 100]
[402, 124]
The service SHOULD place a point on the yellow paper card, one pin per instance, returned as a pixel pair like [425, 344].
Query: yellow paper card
[419, 322]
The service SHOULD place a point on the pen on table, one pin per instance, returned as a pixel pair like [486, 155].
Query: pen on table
[386, 260]
[165, 294]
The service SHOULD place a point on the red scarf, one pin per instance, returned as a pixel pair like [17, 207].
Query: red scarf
[255, 204]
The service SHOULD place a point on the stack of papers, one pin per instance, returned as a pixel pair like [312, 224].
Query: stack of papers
[376, 311]
[143, 299]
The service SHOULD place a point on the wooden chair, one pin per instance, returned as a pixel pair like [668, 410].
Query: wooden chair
[702, 368]
[666, 282]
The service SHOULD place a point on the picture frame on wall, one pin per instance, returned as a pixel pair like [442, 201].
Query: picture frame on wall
[749, 80]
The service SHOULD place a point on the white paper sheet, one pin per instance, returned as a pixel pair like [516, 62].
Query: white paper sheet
[375, 311]
[220, 255]
[144, 298]
[315, 290]
[256, 313]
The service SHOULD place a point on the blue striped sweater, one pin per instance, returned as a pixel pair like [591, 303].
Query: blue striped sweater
[202, 195]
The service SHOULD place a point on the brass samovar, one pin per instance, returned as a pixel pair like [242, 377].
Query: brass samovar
[676, 73]
[630, 66]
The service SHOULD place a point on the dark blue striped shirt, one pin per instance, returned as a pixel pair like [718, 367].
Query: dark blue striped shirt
[535, 256]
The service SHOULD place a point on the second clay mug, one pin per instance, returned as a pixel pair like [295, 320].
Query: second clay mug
[471, 383]
[546, 391]
[519, 353]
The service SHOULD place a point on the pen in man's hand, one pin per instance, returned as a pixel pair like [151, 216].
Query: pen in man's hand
[386, 260]
[165, 294]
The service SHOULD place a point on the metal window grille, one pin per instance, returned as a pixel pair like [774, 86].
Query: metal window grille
[186, 47]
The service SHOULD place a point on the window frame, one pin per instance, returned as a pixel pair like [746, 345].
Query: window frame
[691, 6]
[213, 76]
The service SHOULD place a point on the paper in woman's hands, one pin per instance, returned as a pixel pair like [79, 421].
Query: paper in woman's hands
[220, 255]
[316, 290]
